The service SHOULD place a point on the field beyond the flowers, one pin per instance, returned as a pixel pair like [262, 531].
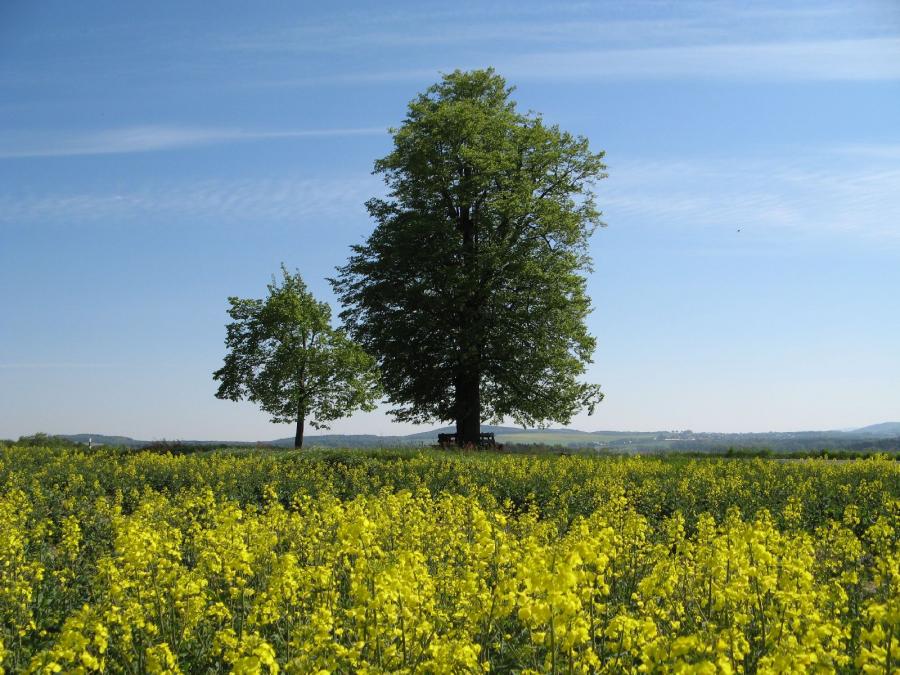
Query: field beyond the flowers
[423, 561]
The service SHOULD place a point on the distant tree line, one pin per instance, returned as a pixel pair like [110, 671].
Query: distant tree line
[42, 440]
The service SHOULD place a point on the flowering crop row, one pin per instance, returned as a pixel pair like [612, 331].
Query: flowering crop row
[424, 563]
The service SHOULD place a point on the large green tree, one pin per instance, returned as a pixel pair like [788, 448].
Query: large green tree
[471, 290]
[284, 355]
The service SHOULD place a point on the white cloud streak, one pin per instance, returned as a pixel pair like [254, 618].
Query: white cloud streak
[818, 41]
[862, 59]
[479, 31]
[32, 366]
[252, 201]
[856, 198]
[889, 151]
[150, 139]
[634, 24]
[761, 197]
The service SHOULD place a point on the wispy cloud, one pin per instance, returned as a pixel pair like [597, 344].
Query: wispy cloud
[862, 59]
[630, 25]
[251, 200]
[890, 151]
[481, 30]
[761, 197]
[595, 41]
[803, 193]
[39, 365]
[149, 139]
[868, 59]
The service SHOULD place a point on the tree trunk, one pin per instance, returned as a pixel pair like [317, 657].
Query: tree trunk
[468, 377]
[298, 437]
[301, 406]
[468, 407]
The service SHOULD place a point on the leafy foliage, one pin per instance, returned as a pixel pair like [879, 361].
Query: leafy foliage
[284, 355]
[470, 291]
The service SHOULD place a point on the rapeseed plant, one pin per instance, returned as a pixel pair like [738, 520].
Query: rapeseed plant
[253, 564]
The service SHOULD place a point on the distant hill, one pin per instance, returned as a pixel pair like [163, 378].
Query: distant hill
[102, 439]
[128, 442]
[346, 441]
[883, 429]
[485, 429]
[885, 436]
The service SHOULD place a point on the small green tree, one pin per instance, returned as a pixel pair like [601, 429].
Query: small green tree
[284, 355]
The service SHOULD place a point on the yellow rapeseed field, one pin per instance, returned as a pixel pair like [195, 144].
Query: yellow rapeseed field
[422, 562]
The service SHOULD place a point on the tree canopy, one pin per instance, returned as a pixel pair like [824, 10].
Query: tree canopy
[470, 292]
[284, 355]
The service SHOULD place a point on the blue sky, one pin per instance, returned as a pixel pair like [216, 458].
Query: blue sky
[156, 158]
